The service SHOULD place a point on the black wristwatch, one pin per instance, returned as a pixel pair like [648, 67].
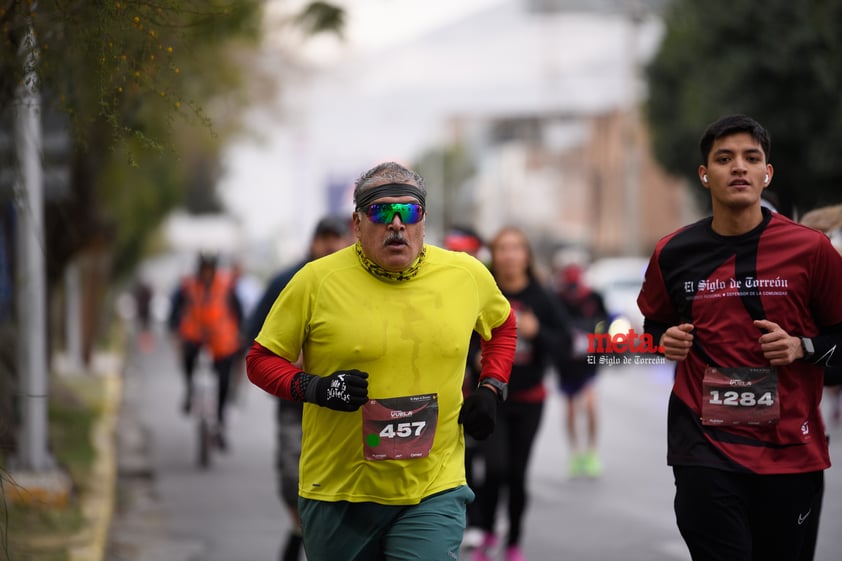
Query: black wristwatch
[502, 389]
[807, 345]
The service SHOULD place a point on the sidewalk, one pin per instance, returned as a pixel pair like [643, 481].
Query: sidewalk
[138, 530]
[170, 509]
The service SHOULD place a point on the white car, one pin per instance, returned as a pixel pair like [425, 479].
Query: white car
[619, 279]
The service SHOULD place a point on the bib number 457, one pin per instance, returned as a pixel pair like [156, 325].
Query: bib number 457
[399, 428]
[403, 430]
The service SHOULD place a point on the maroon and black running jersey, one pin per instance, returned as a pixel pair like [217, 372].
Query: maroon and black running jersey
[779, 271]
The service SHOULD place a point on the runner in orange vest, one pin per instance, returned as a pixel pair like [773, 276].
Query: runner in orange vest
[206, 313]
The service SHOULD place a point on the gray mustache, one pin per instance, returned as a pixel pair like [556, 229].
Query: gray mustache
[395, 237]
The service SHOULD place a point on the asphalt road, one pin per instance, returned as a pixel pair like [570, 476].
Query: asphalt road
[170, 509]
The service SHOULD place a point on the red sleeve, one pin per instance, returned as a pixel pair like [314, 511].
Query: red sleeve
[270, 372]
[654, 300]
[498, 353]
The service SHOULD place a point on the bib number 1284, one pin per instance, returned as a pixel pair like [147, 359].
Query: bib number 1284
[740, 399]
[740, 396]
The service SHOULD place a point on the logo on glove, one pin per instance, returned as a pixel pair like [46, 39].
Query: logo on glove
[338, 389]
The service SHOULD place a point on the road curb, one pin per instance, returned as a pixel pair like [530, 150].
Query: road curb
[97, 504]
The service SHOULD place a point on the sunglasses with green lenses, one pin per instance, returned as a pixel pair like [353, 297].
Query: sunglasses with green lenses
[384, 213]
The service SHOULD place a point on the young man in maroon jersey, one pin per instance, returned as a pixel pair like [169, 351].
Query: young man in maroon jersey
[747, 304]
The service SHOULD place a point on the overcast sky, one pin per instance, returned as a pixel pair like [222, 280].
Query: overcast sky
[376, 24]
[406, 67]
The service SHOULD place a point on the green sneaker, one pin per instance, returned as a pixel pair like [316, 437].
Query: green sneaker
[591, 466]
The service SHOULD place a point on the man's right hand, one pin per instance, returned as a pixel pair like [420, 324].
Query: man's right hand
[344, 390]
[677, 341]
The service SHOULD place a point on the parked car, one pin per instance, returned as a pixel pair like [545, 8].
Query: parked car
[619, 279]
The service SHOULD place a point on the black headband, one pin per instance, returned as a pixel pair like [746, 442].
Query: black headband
[368, 196]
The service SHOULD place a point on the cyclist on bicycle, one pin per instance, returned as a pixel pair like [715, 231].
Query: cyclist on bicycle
[207, 313]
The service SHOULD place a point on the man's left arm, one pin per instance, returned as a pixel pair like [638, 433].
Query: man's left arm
[479, 410]
[498, 353]
[781, 348]
[826, 302]
[824, 346]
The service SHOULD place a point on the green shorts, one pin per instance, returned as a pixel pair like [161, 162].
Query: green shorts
[429, 531]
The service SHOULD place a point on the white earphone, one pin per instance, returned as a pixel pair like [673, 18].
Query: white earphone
[705, 178]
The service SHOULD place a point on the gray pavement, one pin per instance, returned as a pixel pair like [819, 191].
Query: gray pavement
[169, 510]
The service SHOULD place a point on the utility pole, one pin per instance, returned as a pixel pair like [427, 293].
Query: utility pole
[33, 454]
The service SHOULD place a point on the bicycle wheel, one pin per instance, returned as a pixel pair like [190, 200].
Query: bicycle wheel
[205, 443]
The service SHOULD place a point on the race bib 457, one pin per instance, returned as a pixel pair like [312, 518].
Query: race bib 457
[400, 428]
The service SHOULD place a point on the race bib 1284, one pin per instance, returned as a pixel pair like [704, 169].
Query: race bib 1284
[740, 396]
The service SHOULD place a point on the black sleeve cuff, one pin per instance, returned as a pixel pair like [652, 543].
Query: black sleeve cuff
[826, 346]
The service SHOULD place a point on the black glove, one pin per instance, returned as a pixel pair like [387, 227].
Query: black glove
[479, 413]
[344, 390]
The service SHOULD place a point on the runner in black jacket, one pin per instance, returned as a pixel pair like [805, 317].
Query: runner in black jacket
[543, 339]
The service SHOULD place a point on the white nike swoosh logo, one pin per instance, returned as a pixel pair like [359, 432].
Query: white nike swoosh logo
[826, 357]
[803, 517]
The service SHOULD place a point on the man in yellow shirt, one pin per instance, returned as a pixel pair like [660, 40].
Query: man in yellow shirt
[384, 327]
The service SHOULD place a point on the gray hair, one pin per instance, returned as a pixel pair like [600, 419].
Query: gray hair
[392, 171]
